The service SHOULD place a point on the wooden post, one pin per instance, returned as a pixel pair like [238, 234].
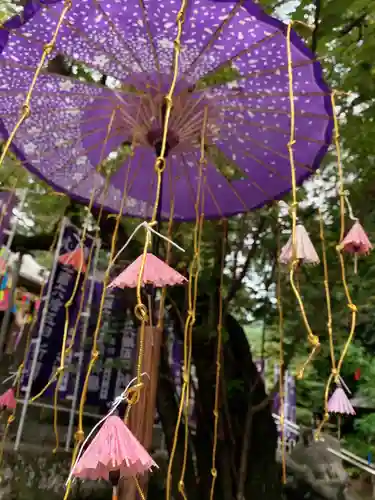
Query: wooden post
[142, 415]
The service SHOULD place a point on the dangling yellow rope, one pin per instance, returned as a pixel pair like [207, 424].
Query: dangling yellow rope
[312, 338]
[47, 50]
[194, 271]
[79, 435]
[218, 358]
[20, 368]
[281, 361]
[167, 259]
[335, 373]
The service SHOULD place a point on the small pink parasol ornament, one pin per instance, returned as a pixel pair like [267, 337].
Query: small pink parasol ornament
[339, 403]
[356, 242]
[8, 400]
[305, 251]
[114, 453]
[156, 272]
[75, 259]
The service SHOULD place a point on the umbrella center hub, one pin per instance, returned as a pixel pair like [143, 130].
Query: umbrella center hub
[185, 123]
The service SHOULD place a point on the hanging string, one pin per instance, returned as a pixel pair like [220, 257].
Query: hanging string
[47, 50]
[312, 338]
[58, 375]
[79, 435]
[116, 403]
[167, 259]
[335, 373]
[281, 359]
[194, 270]
[140, 310]
[218, 357]
[19, 372]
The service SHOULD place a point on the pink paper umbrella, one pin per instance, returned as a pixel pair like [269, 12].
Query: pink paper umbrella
[356, 241]
[75, 259]
[7, 400]
[156, 272]
[114, 453]
[305, 251]
[339, 403]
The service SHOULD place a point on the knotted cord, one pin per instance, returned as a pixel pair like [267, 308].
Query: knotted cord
[194, 270]
[47, 50]
[336, 370]
[312, 338]
[218, 357]
[281, 360]
[21, 367]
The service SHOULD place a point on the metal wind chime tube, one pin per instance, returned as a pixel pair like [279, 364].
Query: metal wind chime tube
[86, 316]
[44, 304]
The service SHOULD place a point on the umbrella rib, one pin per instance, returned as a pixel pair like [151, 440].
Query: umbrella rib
[255, 95]
[277, 153]
[72, 28]
[268, 167]
[277, 130]
[185, 171]
[7, 63]
[57, 109]
[235, 192]
[242, 52]
[119, 36]
[149, 34]
[215, 35]
[70, 141]
[302, 114]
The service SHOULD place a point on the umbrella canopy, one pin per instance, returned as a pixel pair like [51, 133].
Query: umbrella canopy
[113, 449]
[339, 403]
[356, 241]
[305, 251]
[156, 272]
[75, 259]
[233, 66]
[8, 400]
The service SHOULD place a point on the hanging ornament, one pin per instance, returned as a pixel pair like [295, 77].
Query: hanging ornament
[357, 374]
[114, 453]
[156, 273]
[75, 259]
[356, 242]
[305, 251]
[339, 403]
[8, 400]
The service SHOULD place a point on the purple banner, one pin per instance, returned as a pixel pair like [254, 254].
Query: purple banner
[8, 201]
[53, 330]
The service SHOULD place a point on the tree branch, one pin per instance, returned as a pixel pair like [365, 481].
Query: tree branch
[251, 254]
[314, 39]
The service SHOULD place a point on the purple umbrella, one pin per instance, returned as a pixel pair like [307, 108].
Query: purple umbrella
[75, 125]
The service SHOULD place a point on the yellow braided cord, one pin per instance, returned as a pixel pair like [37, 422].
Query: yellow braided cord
[312, 338]
[334, 376]
[60, 371]
[48, 48]
[20, 368]
[194, 270]
[167, 259]
[281, 360]
[80, 435]
[140, 309]
[218, 358]
[139, 489]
